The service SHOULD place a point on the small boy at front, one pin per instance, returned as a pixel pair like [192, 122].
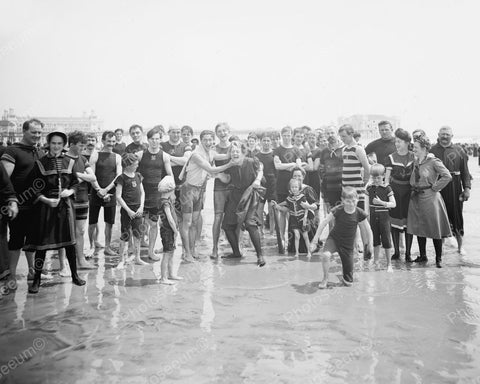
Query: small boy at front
[380, 200]
[346, 217]
[168, 229]
[131, 197]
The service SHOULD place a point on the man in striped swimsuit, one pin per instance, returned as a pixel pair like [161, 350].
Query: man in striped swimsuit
[356, 170]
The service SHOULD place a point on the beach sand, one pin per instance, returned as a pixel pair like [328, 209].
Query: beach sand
[232, 322]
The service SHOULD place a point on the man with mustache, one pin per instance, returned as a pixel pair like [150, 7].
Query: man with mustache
[107, 166]
[458, 190]
[91, 145]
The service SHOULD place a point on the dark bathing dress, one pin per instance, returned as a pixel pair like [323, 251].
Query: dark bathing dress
[52, 228]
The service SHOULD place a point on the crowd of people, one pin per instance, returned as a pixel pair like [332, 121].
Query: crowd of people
[295, 182]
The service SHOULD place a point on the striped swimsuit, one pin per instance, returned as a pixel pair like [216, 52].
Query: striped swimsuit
[352, 171]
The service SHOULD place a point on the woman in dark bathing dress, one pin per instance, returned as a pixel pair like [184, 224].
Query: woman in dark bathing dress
[246, 172]
[399, 168]
[53, 227]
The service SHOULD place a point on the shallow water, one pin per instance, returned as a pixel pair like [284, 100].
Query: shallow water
[233, 322]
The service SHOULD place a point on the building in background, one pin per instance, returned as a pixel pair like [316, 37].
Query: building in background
[367, 125]
[11, 124]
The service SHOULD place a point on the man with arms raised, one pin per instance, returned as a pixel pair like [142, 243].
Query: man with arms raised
[191, 192]
[220, 191]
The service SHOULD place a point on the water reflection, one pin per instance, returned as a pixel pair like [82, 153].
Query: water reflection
[208, 313]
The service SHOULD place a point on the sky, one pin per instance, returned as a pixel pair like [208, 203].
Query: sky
[255, 64]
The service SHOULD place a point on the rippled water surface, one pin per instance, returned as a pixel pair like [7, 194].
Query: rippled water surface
[232, 322]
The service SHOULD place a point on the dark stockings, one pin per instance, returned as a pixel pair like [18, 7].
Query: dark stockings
[234, 241]
[254, 236]
[396, 243]
[70, 252]
[422, 245]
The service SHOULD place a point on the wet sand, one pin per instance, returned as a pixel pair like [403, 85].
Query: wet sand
[232, 322]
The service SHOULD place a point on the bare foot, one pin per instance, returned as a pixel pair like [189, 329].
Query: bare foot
[110, 252]
[323, 284]
[154, 257]
[64, 273]
[86, 266]
[389, 269]
[297, 255]
[214, 255]
[166, 281]
[309, 255]
[188, 259]
[139, 261]
[47, 275]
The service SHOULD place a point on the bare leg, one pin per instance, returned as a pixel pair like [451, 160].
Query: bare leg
[388, 255]
[108, 235]
[217, 223]
[199, 226]
[64, 271]
[325, 260]
[307, 243]
[93, 236]
[121, 264]
[144, 242]
[173, 269]
[282, 223]
[166, 260]
[80, 236]
[459, 238]
[271, 212]
[376, 254]
[185, 234]
[137, 242]
[152, 239]
[193, 233]
[297, 241]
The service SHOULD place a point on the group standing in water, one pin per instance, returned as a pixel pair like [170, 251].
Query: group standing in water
[397, 184]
